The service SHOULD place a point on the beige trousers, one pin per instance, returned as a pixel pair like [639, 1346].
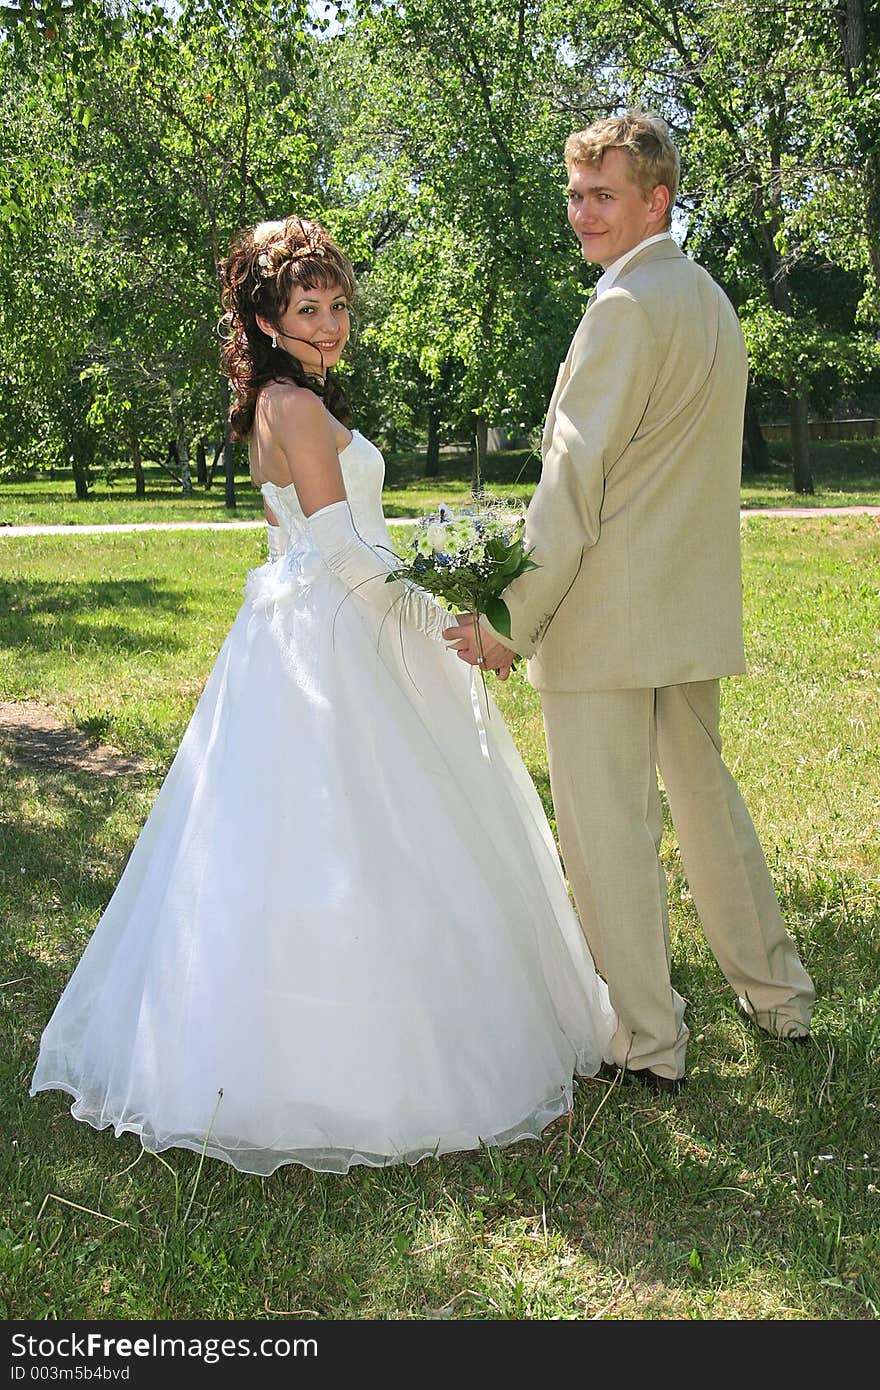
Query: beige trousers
[603, 749]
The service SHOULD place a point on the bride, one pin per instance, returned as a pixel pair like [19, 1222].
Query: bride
[343, 935]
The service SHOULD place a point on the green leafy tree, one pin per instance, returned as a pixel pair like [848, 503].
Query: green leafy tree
[46, 283]
[177, 129]
[767, 124]
[455, 140]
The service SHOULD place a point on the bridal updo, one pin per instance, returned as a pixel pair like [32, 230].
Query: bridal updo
[264, 265]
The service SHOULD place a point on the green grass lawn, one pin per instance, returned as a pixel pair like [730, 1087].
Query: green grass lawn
[846, 473]
[755, 1195]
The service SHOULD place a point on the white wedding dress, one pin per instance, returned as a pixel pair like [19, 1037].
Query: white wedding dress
[343, 935]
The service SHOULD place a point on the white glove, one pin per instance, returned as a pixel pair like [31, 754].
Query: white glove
[363, 568]
[277, 541]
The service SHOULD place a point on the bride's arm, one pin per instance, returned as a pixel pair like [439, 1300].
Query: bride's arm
[275, 539]
[364, 570]
[300, 423]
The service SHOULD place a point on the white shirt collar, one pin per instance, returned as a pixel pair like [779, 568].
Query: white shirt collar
[611, 272]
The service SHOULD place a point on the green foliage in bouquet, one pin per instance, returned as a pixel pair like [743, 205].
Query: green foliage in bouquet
[469, 558]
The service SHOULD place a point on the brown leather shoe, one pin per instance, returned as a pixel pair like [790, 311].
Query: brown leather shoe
[669, 1085]
[799, 1038]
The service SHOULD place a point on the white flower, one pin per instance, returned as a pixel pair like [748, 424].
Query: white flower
[461, 535]
[436, 536]
[421, 546]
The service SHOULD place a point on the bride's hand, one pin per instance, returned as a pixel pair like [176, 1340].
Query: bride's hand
[490, 654]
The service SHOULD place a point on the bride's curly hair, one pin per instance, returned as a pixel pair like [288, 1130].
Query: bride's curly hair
[264, 265]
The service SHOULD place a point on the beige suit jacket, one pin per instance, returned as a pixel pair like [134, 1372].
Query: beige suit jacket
[635, 521]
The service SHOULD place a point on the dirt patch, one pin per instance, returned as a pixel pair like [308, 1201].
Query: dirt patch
[34, 736]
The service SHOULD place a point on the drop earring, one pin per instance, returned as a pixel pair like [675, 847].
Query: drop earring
[274, 341]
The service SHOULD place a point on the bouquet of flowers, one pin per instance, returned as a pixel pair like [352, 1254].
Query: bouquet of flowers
[468, 558]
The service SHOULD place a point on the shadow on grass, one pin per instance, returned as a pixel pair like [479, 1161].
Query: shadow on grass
[61, 860]
[59, 871]
[89, 611]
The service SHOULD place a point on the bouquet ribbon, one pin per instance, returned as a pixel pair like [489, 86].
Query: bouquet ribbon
[478, 712]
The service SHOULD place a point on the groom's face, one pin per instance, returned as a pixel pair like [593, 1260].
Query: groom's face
[608, 212]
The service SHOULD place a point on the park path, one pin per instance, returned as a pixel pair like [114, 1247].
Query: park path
[809, 511]
[113, 527]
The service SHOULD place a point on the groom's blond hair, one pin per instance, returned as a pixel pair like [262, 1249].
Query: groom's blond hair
[645, 138]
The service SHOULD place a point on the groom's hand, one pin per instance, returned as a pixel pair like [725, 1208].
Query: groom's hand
[463, 639]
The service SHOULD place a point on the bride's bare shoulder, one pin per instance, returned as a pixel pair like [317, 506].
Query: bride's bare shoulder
[284, 400]
[295, 440]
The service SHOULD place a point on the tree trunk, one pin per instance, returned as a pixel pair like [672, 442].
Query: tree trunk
[756, 457]
[171, 457]
[80, 475]
[228, 471]
[182, 444]
[432, 460]
[218, 450]
[851, 19]
[800, 445]
[228, 449]
[201, 464]
[852, 27]
[872, 210]
[134, 454]
[802, 478]
[776, 273]
[186, 486]
[481, 438]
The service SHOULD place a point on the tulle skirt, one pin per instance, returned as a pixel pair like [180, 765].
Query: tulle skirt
[343, 935]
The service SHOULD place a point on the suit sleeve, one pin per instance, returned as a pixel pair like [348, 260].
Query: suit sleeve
[614, 365]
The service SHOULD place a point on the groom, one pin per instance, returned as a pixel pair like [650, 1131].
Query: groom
[636, 609]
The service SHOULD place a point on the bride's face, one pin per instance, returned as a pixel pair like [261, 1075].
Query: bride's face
[315, 326]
